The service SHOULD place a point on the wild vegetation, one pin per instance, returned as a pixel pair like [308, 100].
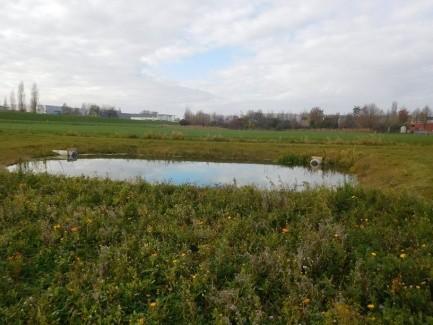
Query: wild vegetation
[75, 250]
[93, 251]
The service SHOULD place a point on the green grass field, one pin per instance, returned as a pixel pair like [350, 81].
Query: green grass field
[12, 122]
[75, 250]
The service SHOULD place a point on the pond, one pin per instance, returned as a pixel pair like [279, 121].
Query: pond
[189, 172]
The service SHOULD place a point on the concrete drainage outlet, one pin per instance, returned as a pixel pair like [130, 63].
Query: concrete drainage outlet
[316, 161]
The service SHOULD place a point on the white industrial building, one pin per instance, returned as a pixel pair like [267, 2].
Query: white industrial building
[150, 116]
[50, 109]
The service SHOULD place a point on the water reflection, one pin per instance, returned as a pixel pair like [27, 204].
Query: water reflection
[190, 172]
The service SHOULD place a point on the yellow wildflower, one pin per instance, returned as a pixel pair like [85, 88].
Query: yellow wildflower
[370, 306]
[16, 256]
[55, 227]
[152, 304]
[403, 255]
[373, 254]
[306, 301]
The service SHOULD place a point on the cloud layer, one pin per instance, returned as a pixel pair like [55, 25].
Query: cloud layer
[277, 55]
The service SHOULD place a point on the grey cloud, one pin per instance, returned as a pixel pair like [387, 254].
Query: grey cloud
[332, 53]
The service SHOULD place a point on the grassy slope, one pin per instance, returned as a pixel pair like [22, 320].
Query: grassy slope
[89, 251]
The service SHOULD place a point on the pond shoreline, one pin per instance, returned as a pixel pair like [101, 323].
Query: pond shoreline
[179, 172]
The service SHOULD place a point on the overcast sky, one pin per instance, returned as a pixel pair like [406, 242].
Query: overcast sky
[224, 55]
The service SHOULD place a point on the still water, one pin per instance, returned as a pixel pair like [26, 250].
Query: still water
[189, 172]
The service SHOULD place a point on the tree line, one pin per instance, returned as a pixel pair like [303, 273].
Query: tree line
[366, 117]
[90, 109]
[18, 102]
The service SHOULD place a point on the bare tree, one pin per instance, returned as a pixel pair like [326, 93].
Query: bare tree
[392, 120]
[188, 116]
[34, 100]
[67, 110]
[13, 101]
[403, 115]
[94, 110]
[394, 107]
[369, 116]
[416, 113]
[316, 117]
[424, 115]
[21, 97]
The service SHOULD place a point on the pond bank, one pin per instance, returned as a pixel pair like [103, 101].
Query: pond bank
[393, 167]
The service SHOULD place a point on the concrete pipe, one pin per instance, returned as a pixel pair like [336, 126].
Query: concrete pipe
[72, 154]
[316, 161]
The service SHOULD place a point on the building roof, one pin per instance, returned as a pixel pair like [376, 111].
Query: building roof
[139, 115]
[166, 115]
[51, 108]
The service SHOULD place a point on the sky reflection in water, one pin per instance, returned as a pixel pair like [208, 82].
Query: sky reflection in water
[190, 172]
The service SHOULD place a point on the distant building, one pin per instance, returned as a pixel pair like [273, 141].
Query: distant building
[50, 109]
[167, 117]
[149, 116]
[143, 116]
[422, 126]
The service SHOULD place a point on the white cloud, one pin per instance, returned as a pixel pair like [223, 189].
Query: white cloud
[168, 53]
[332, 53]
